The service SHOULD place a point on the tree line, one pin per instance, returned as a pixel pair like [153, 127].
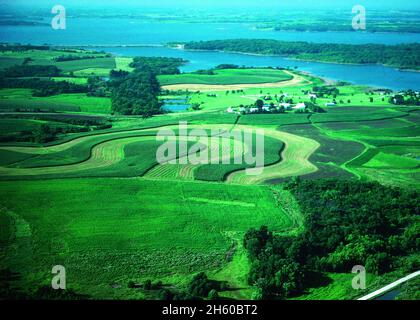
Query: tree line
[72, 57]
[24, 70]
[405, 56]
[158, 65]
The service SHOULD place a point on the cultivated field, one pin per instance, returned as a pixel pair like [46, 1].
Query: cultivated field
[166, 240]
[94, 198]
[231, 80]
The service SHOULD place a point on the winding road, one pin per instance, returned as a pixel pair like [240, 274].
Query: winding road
[390, 286]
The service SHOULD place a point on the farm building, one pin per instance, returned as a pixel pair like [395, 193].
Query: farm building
[299, 106]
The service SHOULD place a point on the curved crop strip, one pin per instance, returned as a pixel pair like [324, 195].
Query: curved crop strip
[296, 81]
[76, 154]
[366, 156]
[384, 160]
[333, 153]
[186, 171]
[103, 155]
[87, 154]
[227, 77]
[170, 171]
[71, 143]
[295, 160]
[219, 172]
[110, 154]
[8, 158]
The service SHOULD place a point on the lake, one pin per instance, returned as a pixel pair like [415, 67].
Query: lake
[373, 75]
[113, 31]
[109, 33]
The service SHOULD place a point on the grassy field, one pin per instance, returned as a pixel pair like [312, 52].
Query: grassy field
[88, 64]
[22, 99]
[122, 63]
[227, 76]
[77, 228]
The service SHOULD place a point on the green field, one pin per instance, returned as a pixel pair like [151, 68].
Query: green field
[16, 99]
[100, 256]
[227, 76]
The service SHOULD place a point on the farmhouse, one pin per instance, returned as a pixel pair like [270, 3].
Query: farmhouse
[299, 106]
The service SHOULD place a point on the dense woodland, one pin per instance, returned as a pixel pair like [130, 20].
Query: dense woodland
[25, 70]
[137, 93]
[158, 65]
[347, 223]
[405, 56]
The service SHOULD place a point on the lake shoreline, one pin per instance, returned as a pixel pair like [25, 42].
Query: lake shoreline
[296, 59]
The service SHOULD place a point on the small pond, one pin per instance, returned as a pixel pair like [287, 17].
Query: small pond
[176, 105]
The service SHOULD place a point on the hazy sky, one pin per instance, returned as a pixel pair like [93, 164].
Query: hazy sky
[385, 4]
